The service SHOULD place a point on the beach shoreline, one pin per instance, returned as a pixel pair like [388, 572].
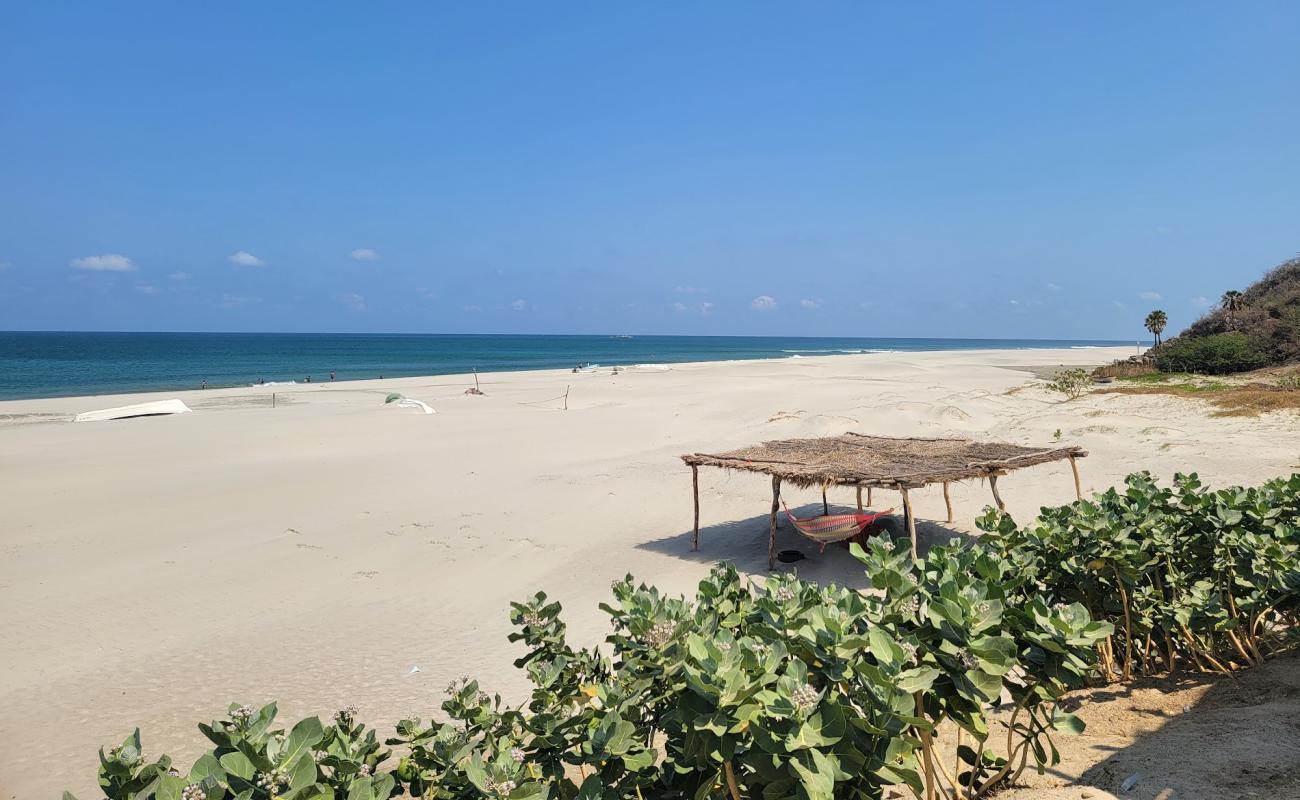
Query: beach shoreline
[159, 568]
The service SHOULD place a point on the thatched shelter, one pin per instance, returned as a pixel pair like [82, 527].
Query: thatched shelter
[870, 462]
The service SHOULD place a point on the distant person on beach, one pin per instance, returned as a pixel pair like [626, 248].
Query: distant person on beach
[308, 379]
[204, 385]
[331, 375]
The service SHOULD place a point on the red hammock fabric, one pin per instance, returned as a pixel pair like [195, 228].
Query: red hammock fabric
[832, 528]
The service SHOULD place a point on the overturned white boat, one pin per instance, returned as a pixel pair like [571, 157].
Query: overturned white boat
[154, 408]
[409, 402]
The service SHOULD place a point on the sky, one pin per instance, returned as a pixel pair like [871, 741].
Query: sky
[1036, 170]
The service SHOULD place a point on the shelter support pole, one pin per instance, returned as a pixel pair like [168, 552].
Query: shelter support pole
[997, 498]
[910, 519]
[771, 538]
[695, 487]
[868, 497]
[859, 499]
[947, 500]
[1074, 467]
[826, 509]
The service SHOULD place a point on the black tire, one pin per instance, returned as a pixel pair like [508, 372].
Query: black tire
[890, 527]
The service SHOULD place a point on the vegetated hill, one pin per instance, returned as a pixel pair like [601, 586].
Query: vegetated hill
[1263, 331]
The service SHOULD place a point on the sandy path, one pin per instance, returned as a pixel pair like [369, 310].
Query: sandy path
[155, 569]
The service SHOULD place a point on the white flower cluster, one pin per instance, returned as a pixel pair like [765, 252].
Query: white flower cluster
[502, 789]
[661, 634]
[193, 792]
[366, 771]
[270, 781]
[532, 618]
[982, 608]
[345, 715]
[243, 715]
[968, 660]
[805, 698]
[910, 606]
[783, 593]
[909, 652]
[517, 753]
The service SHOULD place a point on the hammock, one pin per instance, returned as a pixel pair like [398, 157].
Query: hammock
[833, 528]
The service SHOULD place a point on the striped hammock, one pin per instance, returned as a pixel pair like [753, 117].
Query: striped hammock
[832, 528]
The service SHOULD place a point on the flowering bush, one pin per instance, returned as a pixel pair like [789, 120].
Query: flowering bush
[789, 689]
[1188, 577]
[786, 689]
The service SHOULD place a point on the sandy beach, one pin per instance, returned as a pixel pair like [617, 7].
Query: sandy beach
[313, 552]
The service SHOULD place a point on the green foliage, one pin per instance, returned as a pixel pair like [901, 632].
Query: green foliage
[782, 690]
[1215, 355]
[790, 689]
[1267, 312]
[1070, 382]
[252, 760]
[1187, 576]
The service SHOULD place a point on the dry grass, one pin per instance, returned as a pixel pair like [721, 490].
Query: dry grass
[1231, 399]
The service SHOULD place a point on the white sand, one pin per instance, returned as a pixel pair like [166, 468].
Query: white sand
[155, 569]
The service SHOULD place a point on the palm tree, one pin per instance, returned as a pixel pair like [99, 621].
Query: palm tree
[1155, 323]
[1232, 302]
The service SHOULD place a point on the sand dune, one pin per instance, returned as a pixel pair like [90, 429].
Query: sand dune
[313, 552]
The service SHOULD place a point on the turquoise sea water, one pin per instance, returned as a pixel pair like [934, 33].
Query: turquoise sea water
[44, 364]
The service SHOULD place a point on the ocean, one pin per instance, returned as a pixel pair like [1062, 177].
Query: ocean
[47, 364]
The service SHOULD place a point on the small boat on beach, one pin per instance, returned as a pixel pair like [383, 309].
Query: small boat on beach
[153, 408]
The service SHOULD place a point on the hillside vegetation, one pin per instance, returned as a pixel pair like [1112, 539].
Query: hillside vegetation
[1256, 328]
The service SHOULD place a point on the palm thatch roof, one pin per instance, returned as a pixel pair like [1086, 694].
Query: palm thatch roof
[856, 459]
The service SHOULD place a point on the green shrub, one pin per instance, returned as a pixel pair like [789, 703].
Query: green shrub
[784, 690]
[1215, 355]
[1070, 382]
[790, 689]
[1188, 577]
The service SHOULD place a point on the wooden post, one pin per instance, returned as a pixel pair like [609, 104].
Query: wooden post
[910, 519]
[947, 500]
[997, 498]
[859, 499]
[1078, 489]
[868, 497]
[771, 538]
[826, 509]
[695, 487]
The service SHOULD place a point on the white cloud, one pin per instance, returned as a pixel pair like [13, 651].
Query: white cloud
[179, 275]
[1015, 302]
[363, 254]
[246, 259]
[519, 305]
[108, 262]
[144, 287]
[702, 308]
[687, 290]
[1053, 287]
[810, 304]
[1150, 295]
[237, 301]
[352, 300]
[763, 303]
[1200, 301]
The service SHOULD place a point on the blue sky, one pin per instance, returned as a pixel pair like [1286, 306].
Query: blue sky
[966, 169]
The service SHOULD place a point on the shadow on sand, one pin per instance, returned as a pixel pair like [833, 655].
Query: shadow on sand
[1198, 736]
[744, 543]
